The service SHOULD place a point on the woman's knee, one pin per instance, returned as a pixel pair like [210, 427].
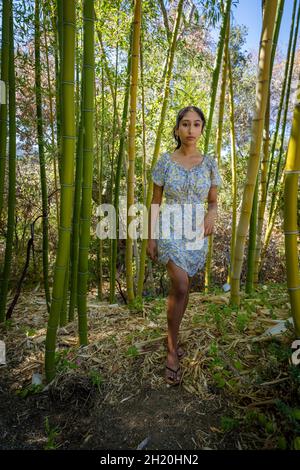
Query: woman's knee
[180, 287]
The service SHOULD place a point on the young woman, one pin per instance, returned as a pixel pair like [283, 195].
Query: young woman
[187, 178]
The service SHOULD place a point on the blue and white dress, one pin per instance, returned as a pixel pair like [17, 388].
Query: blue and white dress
[186, 188]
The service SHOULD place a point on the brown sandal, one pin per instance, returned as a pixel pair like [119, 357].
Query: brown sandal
[174, 379]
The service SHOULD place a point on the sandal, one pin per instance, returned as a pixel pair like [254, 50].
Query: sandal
[173, 379]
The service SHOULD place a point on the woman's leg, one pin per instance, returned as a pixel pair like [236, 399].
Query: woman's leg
[177, 301]
[180, 351]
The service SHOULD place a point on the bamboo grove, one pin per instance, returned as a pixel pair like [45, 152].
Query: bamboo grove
[107, 83]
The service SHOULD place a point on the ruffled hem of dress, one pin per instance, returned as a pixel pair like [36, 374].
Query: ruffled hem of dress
[164, 260]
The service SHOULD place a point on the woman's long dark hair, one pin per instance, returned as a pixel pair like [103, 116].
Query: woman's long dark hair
[180, 115]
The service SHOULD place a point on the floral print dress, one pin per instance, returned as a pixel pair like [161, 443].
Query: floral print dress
[187, 189]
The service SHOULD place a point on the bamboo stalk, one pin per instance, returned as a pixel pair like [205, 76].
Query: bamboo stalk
[3, 106]
[262, 90]
[11, 169]
[131, 142]
[67, 180]
[40, 135]
[213, 94]
[87, 175]
[291, 231]
[51, 120]
[171, 54]
[233, 163]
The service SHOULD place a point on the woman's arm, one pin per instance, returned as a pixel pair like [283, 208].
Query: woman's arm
[211, 215]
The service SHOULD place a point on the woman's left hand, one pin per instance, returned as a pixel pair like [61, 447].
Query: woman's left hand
[209, 222]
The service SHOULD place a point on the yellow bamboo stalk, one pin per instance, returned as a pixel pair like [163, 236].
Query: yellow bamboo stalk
[262, 89]
[291, 232]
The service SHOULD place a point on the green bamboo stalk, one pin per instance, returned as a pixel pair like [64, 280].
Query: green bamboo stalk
[216, 73]
[58, 28]
[67, 180]
[63, 317]
[11, 169]
[263, 192]
[278, 192]
[131, 142]
[287, 99]
[74, 251]
[252, 242]
[282, 95]
[108, 76]
[120, 160]
[87, 176]
[233, 164]
[113, 182]
[76, 215]
[51, 118]
[222, 99]
[171, 54]
[3, 106]
[40, 134]
[100, 170]
[213, 94]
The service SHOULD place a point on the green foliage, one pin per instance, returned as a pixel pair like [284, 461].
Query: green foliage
[9, 324]
[242, 321]
[62, 363]
[132, 351]
[229, 424]
[157, 308]
[31, 332]
[96, 378]
[136, 305]
[279, 351]
[31, 389]
[52, 433]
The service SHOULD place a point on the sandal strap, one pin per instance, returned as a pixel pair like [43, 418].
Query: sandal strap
[173, 370]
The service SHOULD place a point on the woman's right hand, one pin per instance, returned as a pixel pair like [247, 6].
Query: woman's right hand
[152, 250]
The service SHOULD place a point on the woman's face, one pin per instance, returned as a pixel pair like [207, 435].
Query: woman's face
[190, 128]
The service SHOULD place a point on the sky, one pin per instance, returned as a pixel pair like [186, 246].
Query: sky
[248, 13]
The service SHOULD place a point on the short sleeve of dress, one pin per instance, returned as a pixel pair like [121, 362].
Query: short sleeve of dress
[159, 170]
[216, 179]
